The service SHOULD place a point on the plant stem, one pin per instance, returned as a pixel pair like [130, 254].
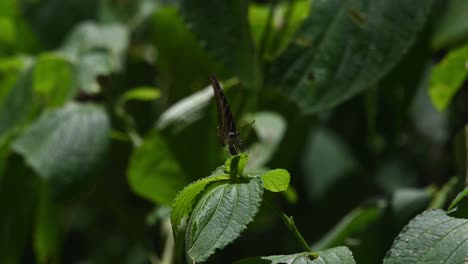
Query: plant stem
[289, 222]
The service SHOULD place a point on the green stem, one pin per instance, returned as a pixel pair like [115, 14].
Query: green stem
[289, 222]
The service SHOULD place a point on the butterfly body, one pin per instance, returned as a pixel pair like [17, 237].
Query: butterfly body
[227, 132]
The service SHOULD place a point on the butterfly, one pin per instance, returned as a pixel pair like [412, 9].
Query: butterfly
[227, 132]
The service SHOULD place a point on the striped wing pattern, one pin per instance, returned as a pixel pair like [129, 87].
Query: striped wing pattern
[227, 132]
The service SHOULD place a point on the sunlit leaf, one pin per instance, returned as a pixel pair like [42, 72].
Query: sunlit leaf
[448, 76]
[53, 79]
[276, 180]
[344, 47]
[220, 216]
[141, 94]
[235, 165]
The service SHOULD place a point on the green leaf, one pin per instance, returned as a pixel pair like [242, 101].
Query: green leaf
[153, 172]
[326, 162]
[276, 180]
[89, 67]
[450, 27]
[228, 38]
[463, 195]
[221, 215]
[448, 76]
[187, 198]
[338, 255]
[66, 146]
[53, 79]
[47, 228]
[431, 237]
[141, 94]
[459, 206]
[235, 165]
[344, 47]
[354, 222]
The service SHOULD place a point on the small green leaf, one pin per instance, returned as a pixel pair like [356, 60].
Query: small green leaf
[235, 165]
[431, 237]
[276, 180]
[53, 78]
[141, 94]
[66, 146]
[187, 198]
[221, 215]
[337, 255]
[448, 76]
[153, 172]
[463, 195]
[459, 206]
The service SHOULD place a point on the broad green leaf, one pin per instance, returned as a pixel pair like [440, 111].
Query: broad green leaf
[326, 161]
[53, 79]
[228, 38]
[338, 255]
[450, 28]
[221, 215]
[276, 180]
[153, 172]
[47, 228]
[66, 146]
[352, 223]
[431, 237]
[141, 94]
[269, 128]
[344, 47]
[235, 165]
[188, 197]
[448, 76]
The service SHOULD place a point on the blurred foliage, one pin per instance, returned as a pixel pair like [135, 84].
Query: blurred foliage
[106, 114]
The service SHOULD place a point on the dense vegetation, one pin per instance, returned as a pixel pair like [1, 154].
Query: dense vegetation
[354, 114]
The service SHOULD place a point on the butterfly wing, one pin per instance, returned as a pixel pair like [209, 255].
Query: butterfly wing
[225, 120]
